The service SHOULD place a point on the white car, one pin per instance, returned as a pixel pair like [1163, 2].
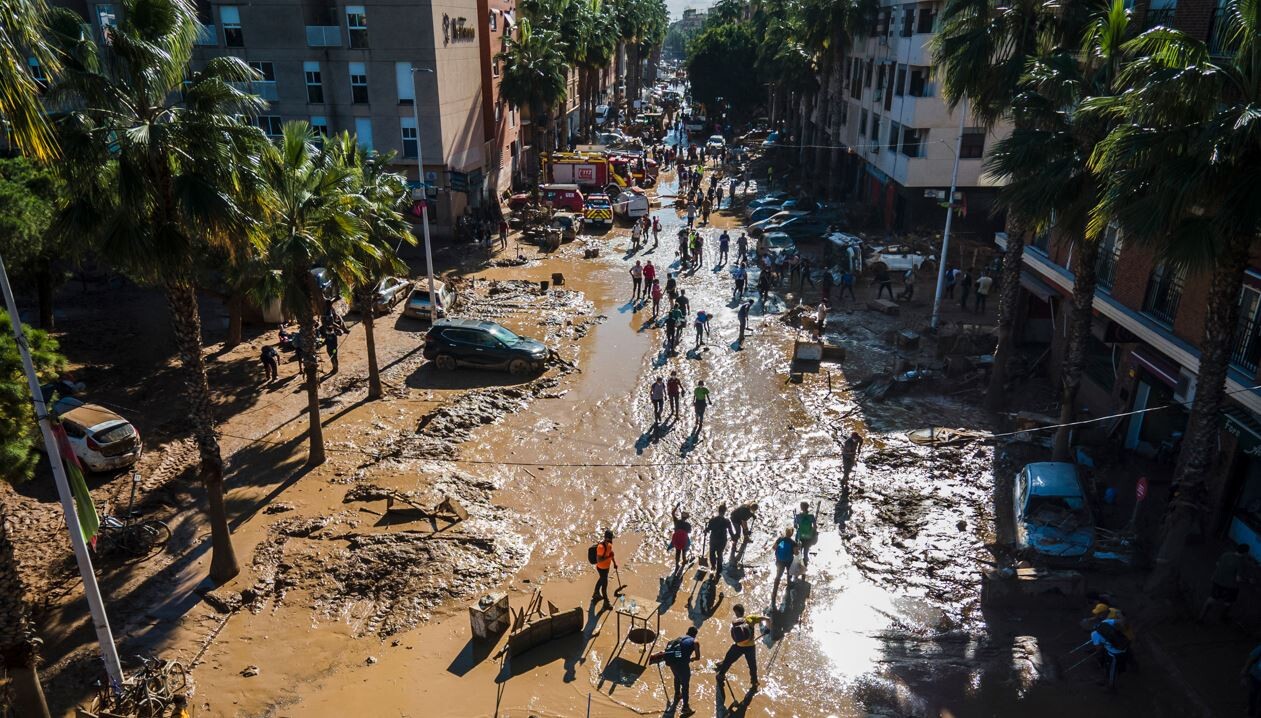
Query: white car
[774, 220]
[417, 306]
[388, 292]
[899, 258]
[601, 114]
[716, 142]
[101, 439]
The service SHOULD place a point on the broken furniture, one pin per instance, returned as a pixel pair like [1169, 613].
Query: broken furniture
[531, 627]
[490, 616]
[637, 609]
[448, 510]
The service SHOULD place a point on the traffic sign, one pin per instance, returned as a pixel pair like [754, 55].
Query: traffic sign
[1140, 489]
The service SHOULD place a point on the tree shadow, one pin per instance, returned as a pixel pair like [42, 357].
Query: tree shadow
[428, 376]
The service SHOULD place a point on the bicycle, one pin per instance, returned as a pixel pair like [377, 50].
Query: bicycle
[151, 692]
[139, 539]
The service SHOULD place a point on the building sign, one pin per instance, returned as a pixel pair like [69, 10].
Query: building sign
[456, 30]
[584, 174]
[458, 181]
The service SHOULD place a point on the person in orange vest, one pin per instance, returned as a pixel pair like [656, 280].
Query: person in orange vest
[604, 559]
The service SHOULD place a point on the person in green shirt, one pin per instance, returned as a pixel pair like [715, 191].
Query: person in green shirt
[807, 531]
[700, 400]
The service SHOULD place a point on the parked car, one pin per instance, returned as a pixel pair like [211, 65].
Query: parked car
[598, 209]
[844, 250]
[567, 197]
[568, 224]
[801, 227]
[804, 205]
[483, 345]
[772, 139]
[631, 205]
[101, 439]
[774, 243]
[417, 306]
[602, 113]
[898, 258]
[1053, 518]
[760, 213]
[775, 219]
[716, 143]
[387, 293]
[770, 199]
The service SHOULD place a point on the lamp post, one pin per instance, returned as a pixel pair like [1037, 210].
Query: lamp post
[424, 189]
[950, 213]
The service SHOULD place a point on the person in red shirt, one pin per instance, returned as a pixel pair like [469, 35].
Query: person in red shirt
[674, 389]
[650, 273]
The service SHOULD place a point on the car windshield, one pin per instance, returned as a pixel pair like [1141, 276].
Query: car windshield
[779, 241]
[503, 335]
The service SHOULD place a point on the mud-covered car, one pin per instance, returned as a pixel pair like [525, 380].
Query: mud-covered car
[100, 438]
[452, 343]
[387, 293]
[1053, 518]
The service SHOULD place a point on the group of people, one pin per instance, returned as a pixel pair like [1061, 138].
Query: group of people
[979, 289]
[672, 389]
[329, 331]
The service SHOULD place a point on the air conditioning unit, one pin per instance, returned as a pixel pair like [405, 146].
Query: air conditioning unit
[1184, 393]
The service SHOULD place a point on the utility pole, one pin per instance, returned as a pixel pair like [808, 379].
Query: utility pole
[424, 189]
[109, 652]
[950, 213]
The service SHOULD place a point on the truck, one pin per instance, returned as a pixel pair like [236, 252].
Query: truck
[600, 170]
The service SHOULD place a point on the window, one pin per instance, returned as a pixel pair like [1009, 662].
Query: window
[512, 117]
[867, 81]
[908, 20]
[264, 84]
[37, 72]
[926, 19]
[844, 113]
[359, 83]
[363, 131]
[494, 20]
[900, 84]
[269, 124]
[882, 22]
[972, 145]
[357, 26]
[862, 124]
[404, 83]
[1247, 346]
[1164, 290]
[913, 142]
[230, 16]
[895, 130]
[1161, 12]
[106, 18]
[920, 84]
[1109, 255]
[875, 133]
[319, 125]
[411, 147]
[314, 82]
[880, 75]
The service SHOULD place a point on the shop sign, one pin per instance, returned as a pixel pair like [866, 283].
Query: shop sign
[1249, 442]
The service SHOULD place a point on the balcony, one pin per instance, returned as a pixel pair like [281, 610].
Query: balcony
[265, 90]
[207, 36]
[323, 36]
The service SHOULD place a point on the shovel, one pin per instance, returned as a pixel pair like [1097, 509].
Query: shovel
[621, 587]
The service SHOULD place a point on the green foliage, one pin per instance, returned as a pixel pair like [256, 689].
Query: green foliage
[29, 194]
[534, 70]
[19, 433]
[719, 60]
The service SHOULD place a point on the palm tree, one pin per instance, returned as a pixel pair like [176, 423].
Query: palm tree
[533, 78]
[1181, 171]
[313, 220]
[155, 155]
[1045, 163]
[385, 196]
[983, 49]
[24, 35]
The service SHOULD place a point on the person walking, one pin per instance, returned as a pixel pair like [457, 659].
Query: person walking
[724, 243]
[965, 288]
[770, 178]
[503, 233]
[672, 286]
[785, 550]
[825, 290]
[604, 559]
[738, 277]
[683, 302]
[699, 325]
[742, 644]
[805, 270]
[849, 452]
[657, 393]
[683, 242]
[983, 285]
[698, 246]
[650, 275]
[636, 235]
[680, 537]
[672, 327]
[656, 230]
[656, 297]
[719, 528]
[1224, 588]
[908, 286]
[700, 402]
[674, 390]
[742, 246]
[885, 283]
[741, 517]
[847, 284]
[271, 362]
[679, 655]
[742, 314]
[952, 278]
[718, 197]
[763, 285]
[691, 213]
[330, 333]
[637, 279]
[807, 530]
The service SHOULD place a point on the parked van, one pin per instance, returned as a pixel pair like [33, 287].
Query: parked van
[565, 197]
[631, 205]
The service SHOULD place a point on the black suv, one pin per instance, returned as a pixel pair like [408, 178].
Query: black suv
[483, 345]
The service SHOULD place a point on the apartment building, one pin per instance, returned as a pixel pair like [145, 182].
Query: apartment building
[899, 132]
[503, 148]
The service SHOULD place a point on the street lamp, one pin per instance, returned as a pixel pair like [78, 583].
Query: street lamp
[424, 189]
[950, 213]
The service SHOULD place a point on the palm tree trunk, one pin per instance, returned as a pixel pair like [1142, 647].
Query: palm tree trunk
[369, 333]
[181, 297]
[1008, 294]
[1199, 443]
[311, 369]
[19, 650]
[1085, 258]
[236, 308]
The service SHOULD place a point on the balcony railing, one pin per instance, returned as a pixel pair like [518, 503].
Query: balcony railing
[1247, 347]
[323, 36]
[207, 36]
[265, 90]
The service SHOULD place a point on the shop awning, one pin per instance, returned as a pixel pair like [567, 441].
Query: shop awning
[1035, 286]
[1161, 368]
[1245, 427]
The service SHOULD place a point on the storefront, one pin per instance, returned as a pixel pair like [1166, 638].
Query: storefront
[1242, 514]
[1158, 428]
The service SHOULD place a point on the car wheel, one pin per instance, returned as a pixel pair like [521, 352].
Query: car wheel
[445, 362]
[518, 367]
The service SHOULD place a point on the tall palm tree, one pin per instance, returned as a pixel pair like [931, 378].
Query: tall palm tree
[155, 154]
[313, 220]
[1182, 179]
[1045, 163]
[385, 196]
[533, 78]
[23, 34]
[983, 49]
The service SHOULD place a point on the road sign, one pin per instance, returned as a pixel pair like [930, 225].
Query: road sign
[1140, 489]
[457, 181]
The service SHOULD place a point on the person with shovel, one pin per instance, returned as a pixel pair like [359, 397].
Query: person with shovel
[719, 528]
[743, 644]
[679, 655]
[680, 536]
[604, 559]
[785, 549]
[849, 453]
